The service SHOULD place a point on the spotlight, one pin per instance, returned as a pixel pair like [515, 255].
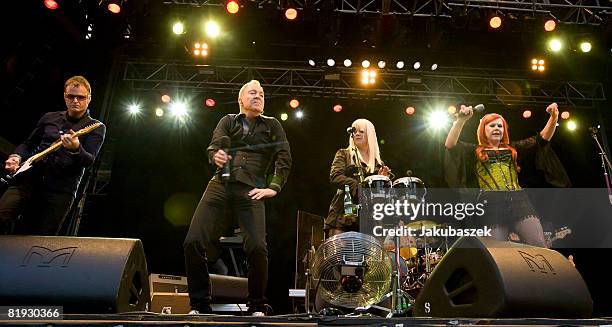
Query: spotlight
[410, 111]
[550, 25]
[165, 98]
[51, 4]
[527, 114]
[347, 62]
[434, 67]
[331, 62]
[365, 64]
[585, 46]
[565, 115]
[178, 109]
[134, 109]
[159, 112]
[368, 76]
[417, 65]
[337, 108]
[571, 125]
[399, 65]
[232, 7]
[294, 103]
[299, 114]
[178, 28]
[210, 102]
[311, 62]
[382, 64]
[555, 45]
[437, 119]
[291, 13]
[212, 29]
[114, 7]
[200, 49]
[284, 116]
[495, 22]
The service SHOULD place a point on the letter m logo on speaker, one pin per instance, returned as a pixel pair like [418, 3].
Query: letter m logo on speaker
[44, 257]
[537, 263]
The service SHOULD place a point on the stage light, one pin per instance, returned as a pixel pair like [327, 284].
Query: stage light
[196, 52]
[114, 8]
[284, 116]
[311, 62]
[165, 98]
[210, 102]
[399, 65]
[294, 103]
[585, 46]
[337, 108]
[200, 49]
[565, 115]
[571, 125]
[365, 64]
[299, 114]
[437, 119]
[51, 4]
[495, 22]
[331, 62]
[550, 25]
[368, 76]
[134, 109]
[527, 114]
[452, 110]
[347, 62]
[538, 65]
[434, 67]
[555, 45]
[178, 109]
[417, 65]
[232, 7]
[159, 112]
[178, 28]
[410, 111]
[212, 29]
[291, 13]
[382, 64]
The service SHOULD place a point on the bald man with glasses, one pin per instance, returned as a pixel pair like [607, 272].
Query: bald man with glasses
[50, 185]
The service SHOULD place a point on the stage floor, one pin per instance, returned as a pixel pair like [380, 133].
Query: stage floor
[149, 319]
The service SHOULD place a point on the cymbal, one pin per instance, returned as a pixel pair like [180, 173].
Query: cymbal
[422, 223]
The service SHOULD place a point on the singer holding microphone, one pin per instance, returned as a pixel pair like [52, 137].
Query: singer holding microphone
[493, 166]
[253, 161]
[361, 156]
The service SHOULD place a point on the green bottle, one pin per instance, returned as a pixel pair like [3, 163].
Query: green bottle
[348, 201]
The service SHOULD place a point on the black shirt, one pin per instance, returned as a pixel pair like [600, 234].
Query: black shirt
[63, 169]
[255, 146]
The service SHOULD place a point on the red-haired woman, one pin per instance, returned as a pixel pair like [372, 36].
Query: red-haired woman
[493, 166]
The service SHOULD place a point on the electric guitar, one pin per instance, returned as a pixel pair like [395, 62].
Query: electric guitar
[558, 234]
[25, 166]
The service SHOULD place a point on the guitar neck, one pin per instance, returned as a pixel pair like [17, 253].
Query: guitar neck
[41, 155]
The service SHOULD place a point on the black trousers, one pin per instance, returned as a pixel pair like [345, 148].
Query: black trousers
[220, 205]
[46, 210]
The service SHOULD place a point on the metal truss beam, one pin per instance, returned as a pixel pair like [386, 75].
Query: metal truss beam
[286, 79]
[592, 12]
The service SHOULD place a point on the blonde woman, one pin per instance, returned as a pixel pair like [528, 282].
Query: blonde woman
[362, 154]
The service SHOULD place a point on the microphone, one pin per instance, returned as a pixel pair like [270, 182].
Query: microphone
[479, 108]
[225, 143]
[351, 130]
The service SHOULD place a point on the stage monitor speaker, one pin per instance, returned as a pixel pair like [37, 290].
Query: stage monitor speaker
[480, 277]
[82, 274]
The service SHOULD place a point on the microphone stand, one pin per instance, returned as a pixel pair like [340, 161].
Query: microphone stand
[605, 162]
[360, 172]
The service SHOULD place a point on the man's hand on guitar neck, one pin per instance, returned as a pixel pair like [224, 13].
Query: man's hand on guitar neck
[12, 163]
[70, 141]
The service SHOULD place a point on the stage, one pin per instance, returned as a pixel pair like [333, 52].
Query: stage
[142, 318]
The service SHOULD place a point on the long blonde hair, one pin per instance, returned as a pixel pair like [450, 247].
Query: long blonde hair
[373, 149]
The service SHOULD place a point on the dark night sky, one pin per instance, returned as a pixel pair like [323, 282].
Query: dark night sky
[160, 170]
